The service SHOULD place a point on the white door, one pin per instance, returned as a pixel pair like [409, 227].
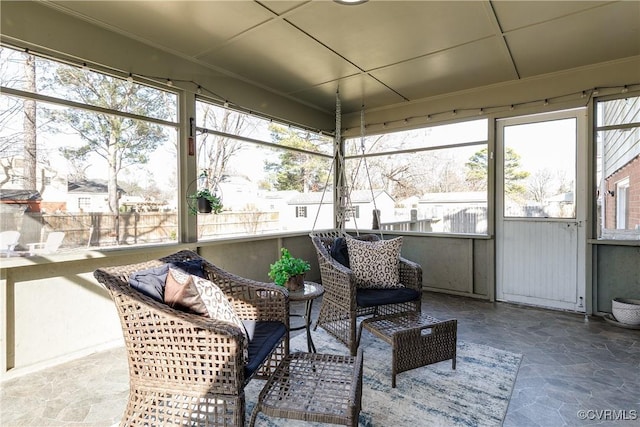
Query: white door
[541, 165]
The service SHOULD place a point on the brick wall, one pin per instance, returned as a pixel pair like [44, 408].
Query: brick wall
[632, 171]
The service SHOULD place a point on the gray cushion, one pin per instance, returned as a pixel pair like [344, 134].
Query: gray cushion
[151, 282]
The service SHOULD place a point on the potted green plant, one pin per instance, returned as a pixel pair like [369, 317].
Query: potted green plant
[205, 202]
[289, 271]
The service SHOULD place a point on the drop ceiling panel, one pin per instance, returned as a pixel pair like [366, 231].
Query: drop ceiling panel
[518, 14]
[380, 33]
[304, 49]
[354, 92]
[280, 57]
[188, 27]
[597, 35]
[281, 6]
[475, 64]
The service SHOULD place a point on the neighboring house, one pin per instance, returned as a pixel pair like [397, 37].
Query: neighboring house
[305, 207]
[54, 194]
[621, 169]
[434, 205]
[276, 201]
[238, 192]
[15, 200]
[50, 187]
[622, 195]
[455, 212]
[89, 196]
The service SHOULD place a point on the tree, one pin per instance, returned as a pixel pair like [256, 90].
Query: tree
[121, 141]
[394, 174]
[30, 152]
[19, 162]
[215, 151]
[478, 166]
[297, 170]
[539, 186]
[477, 169]
[512, 175]
[12, 68]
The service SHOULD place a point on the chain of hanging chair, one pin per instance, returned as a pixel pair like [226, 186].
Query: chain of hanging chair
[344, 206]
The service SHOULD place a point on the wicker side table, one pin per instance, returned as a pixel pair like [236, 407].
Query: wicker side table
[416, 339]
[325, 388]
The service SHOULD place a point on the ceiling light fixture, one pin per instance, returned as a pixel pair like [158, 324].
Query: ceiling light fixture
[350, 2]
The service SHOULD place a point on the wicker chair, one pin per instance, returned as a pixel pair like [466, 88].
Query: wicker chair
[186, 369]
[343, 302]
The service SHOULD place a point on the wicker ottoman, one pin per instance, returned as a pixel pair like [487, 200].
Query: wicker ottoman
[325, 388]
[416, 339]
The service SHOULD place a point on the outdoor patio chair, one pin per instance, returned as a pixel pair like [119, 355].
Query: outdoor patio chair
[49, 246]
[8, 241]
[190, 369]
[345, 299]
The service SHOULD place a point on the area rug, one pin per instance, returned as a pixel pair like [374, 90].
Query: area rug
[476, 393]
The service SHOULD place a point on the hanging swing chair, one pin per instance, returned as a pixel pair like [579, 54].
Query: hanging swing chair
[350, 277]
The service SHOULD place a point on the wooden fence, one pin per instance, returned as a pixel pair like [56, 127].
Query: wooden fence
[133, 228]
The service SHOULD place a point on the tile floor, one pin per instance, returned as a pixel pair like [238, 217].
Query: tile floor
[571, 366]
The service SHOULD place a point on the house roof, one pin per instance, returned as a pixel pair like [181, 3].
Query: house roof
[19, 195]
[90, 186]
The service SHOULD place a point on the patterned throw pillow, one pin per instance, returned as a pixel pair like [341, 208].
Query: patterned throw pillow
[375, 264]
[197, 295]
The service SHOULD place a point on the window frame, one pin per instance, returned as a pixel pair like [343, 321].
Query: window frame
[607, 191]
[78, 243]
[441, 147]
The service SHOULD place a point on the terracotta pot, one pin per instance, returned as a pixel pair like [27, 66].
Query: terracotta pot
[295, 283]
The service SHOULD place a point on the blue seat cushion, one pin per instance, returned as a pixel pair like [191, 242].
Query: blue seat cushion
[263, 337]
[339, 251]
[381, 296]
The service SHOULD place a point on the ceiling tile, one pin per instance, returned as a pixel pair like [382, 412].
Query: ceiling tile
[518, 14]
[280, 57]
[475, 64]
[282, 6]
[417, 49]
[379, 33]
[598, 35]
[189, 27]
[354, 92]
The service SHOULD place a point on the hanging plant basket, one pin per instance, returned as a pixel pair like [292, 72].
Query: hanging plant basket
[204, 205]
[207, 199]
[204, 201]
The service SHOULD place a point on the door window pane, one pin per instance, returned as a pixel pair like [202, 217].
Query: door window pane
[539, 169]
